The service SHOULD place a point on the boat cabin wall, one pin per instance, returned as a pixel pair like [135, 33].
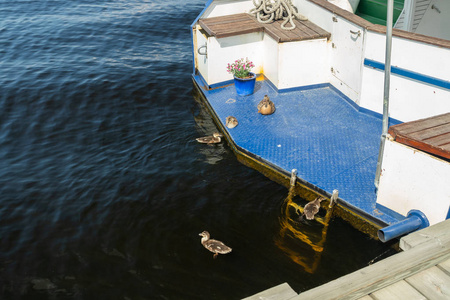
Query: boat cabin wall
[436, 20]
[413, 179]
[419, 85]
[410, 98]
[286, 65]
[345, 61]
[226, 50]
[220, 52]
[428, 17]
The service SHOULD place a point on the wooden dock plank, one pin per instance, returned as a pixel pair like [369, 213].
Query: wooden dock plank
[398, 291]
[279, 292]
[431, 135]
[366, 298]
[379, 275]
[433, 283]
[422, 271]
[386, 272]
[445, 266]
[437, 232]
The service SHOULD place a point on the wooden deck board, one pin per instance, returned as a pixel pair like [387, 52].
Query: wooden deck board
[433, 283]
[237, 24]
[441, 140]
[227, 18]
[230, 25]
[276, 33]
[398, 291]
[431, 135]
[445, 266]
[279, 292]
[366, 298]
[431, 132]
[422, 271]
[436, 232]
[409, 127]
[427, 251]
[304, 30]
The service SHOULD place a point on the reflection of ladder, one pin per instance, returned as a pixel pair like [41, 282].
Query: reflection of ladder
[303, 244]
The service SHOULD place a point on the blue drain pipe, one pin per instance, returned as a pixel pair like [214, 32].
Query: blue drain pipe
[414, 220]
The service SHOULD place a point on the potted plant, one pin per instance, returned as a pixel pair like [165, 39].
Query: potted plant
[244, 79]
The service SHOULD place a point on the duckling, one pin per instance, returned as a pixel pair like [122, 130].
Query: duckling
[231, 122]
[266, 106]
[312, 208]
[214, 139]
[217, 247]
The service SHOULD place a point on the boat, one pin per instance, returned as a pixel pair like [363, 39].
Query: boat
[327, 78]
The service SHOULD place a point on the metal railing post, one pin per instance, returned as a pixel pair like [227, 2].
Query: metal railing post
[387, 83]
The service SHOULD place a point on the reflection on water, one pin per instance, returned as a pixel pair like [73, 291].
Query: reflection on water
[302, 240]
[213, 153]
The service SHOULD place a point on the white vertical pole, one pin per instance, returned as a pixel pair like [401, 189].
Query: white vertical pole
[387, 83]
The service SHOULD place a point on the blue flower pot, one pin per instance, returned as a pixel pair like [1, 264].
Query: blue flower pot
[245, 86]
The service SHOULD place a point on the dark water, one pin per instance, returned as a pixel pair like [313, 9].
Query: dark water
[103, 189]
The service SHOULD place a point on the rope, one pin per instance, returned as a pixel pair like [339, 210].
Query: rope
[268, 11]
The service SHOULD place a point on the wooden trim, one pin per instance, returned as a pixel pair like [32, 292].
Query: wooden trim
[357, 20]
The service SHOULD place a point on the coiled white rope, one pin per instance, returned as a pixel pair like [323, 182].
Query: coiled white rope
[267, 11]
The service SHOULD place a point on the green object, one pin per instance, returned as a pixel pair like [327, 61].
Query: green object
[375, 10]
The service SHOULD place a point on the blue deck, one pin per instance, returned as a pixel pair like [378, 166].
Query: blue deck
[316, 131]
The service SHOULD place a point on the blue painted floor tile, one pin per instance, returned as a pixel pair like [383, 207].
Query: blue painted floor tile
[316, 131]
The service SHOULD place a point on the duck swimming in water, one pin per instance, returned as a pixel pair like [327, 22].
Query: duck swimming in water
[231, 122]
[312, 208]
[216, 247]
[214, 139]
[266, 106]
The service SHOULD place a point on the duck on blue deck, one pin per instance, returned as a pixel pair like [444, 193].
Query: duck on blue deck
[315, 130]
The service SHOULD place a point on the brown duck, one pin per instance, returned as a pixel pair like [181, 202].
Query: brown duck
[266, 106]
[216, 247]
[231, 122]
[214, 139]
[312, 208]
